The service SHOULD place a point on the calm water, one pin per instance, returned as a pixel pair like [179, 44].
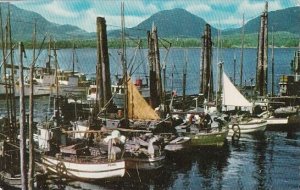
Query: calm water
[86, 60]
[268, 161]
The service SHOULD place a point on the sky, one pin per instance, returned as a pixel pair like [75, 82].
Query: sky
[222, 14]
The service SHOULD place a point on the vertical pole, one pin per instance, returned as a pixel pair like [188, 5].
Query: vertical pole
[73, 59]
[234, 68]
[31, 104]
[265, 53]
[56, 70]
[102, 51]
[124, 62]
[22, 123]
[260, 77]
[242, 53]
[272, 64]
[13, 104]
[157, 63]
[184, 80]
[99, 81]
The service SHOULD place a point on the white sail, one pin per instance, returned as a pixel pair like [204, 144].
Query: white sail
[231, 95]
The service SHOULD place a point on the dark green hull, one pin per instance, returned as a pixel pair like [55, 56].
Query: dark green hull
[208, 139]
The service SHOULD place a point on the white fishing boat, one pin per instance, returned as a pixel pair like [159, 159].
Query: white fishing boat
[250, 125]
[80, 161]
[233, 98]
[84, 168]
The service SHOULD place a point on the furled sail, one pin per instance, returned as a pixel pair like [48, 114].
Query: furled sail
[138, 108]
[231, 95]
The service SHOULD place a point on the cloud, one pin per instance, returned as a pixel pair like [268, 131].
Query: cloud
[195, 9]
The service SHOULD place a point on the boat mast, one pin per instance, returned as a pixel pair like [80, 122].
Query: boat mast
[184, 80]
[31, 104]
[73, 59]
[124, 63]
[272, 63]
[234, 67]
[242, 53]
[22, 121]
[56, 70]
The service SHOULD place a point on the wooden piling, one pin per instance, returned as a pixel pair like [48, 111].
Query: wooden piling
[152, 72]
[99, 80]
[265, 47]
[262, 59]
[103, 61]
[206, 86]
[157, 63]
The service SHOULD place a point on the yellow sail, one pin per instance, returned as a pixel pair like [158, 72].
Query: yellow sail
[138, 108]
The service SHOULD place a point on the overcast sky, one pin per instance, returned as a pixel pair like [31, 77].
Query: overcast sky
[82, 13]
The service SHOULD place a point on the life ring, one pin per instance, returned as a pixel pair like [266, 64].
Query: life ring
[236, 128]
[61, 169]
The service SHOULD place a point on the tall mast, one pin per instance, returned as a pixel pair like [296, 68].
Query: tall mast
[31, 104]
[73, 59]
[124, 63]
[234, 67]
[13, 103]
[184, 80]
[23, 162]
[242, 52]
[272, 64]
[56, 70]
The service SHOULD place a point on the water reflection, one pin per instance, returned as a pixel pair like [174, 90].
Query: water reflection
[199, 168]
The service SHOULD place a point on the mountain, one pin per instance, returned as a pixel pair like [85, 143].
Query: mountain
[170, 23]
[22, 22]
[284, 20]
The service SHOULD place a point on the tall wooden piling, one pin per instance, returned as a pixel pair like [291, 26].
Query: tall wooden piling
[157, 63]
[103, 63]
[206, 86]
[99, 80]
[266, 45]
[262, 59]
[22, 121]
[153, 73]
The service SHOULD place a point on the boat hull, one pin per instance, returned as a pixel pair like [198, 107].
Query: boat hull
[216, 138]
[145, 163]
[178, 144]
[85, 171]
[249, 127]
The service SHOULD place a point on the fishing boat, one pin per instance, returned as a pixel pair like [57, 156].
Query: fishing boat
[200, 127]
[233, 98]
[144, 152]
[80, 160]
[178, 144]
